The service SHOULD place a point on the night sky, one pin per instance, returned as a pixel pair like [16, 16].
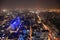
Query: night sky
[29, 4]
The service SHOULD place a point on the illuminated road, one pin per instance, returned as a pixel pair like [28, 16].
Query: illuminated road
[50, 37]
[30, 33]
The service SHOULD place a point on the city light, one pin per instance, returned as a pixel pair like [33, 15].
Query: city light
[30, 25]
[4, 10]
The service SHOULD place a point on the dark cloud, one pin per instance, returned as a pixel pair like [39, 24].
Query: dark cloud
[29, 3]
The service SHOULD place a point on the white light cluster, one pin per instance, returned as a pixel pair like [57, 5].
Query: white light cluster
[4, 10]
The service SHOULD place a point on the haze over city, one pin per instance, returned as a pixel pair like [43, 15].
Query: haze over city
[30, 4]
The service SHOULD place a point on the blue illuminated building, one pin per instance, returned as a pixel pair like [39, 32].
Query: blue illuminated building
[15, 23]
[21, 37]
